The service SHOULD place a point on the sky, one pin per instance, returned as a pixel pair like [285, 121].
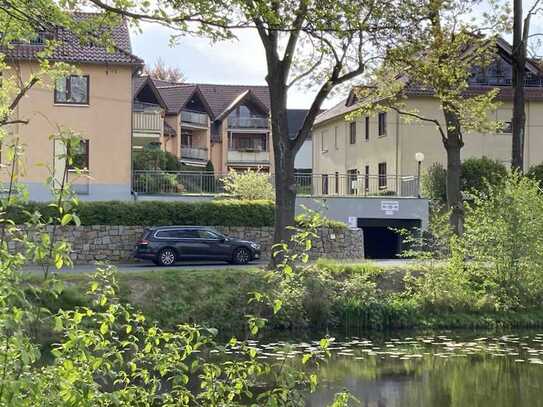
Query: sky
[227, 62]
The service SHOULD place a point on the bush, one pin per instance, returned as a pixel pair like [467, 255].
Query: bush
[154, 160]
[156, 213]
[536, 173]
[434, 185]
[477, 175]
[249, 185]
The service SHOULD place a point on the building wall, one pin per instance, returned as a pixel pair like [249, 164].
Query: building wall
[405, 138]
[105, 122]
[172, 144]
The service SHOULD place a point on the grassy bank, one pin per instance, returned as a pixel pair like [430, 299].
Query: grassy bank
[360, 296]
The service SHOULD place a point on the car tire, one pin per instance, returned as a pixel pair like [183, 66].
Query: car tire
[166, 257]
[241, 256]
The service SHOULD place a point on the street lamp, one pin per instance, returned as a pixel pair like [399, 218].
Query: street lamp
[419, 157]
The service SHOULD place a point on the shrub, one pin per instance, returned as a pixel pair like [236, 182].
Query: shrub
[248, 185]
[156, 213]
[154, 160]
[477, 175]
[434, 186]
[536, 173]
[504, 240]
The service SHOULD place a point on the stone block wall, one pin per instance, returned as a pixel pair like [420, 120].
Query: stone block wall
[116, 243]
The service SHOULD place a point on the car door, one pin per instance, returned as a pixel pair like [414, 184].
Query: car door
[216, 246]
[189, 245]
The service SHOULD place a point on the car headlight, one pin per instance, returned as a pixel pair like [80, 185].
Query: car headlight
[255, 246]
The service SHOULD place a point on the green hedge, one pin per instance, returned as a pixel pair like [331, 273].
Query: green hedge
[156, 213]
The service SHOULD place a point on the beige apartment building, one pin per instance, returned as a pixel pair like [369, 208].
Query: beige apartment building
[225, 124]
[377, 153]
[96, 104]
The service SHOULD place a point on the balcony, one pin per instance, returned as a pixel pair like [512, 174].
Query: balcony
[248, 123]
[194, 118]
[147, 122]
[247, 156]
[194, 153]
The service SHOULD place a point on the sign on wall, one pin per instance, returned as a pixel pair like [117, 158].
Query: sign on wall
[390, 207]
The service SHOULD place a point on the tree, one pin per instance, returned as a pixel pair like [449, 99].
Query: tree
[164, 72]
[521, 34]
[323, 43]
[438, 58]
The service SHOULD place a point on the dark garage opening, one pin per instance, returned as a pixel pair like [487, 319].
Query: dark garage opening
[381, 241]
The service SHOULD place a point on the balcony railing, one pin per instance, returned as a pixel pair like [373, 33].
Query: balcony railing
[235, 156]
[148, 122]
[248, 123]
[196, 153]
[344, 185]
[200, 119]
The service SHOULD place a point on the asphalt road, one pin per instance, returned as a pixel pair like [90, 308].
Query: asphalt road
[196, 265]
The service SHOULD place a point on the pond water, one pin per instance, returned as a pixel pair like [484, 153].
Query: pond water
[441, 370]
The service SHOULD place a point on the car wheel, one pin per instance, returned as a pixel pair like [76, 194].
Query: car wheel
[241, 256]
[166, 257]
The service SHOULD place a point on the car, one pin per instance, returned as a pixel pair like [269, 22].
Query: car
[165, 245]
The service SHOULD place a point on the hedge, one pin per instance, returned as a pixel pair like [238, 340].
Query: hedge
[156, 213]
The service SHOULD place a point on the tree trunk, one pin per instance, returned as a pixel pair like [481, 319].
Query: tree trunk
[453, 145]
[518, 65]
[283, 155]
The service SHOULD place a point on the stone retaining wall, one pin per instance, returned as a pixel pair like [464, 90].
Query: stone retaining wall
[116, 243]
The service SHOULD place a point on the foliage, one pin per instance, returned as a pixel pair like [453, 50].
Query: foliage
[505, 244]
[535, 172]
[480, 173]
[146, 160]
[209, 167]
[156, 213]
[477, 175]
[248, 185]
[434, 183]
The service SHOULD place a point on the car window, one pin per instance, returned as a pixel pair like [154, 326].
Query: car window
[207, 234]
[166, 234]
[187, 234]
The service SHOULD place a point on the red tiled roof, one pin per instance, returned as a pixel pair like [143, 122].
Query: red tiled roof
[71, 50]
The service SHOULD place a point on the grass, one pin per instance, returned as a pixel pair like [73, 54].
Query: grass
[362, 295]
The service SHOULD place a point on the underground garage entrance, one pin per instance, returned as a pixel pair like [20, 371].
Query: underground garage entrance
[381, 239]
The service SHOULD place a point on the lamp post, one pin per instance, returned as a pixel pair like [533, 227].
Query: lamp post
[419, 157]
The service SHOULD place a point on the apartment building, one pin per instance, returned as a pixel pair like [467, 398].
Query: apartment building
[96, 103]
[225, 124]
[378, 152]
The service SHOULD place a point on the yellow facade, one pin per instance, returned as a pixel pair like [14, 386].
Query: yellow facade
[105, 122]
[404, 138]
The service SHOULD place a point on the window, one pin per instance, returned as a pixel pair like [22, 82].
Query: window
[186, 137]
[352, 132]
[352, 179]
[207, 234]
[382, 175]
[382, 124]
[335, 138]
[80, 155]
[72, 89]
[367, 135]
[325, 184]
[367, 178]
[337, 182]
[324, 135]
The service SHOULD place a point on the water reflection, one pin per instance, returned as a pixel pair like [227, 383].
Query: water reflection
[456, 371]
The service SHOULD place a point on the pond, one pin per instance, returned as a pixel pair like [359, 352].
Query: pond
[442, 370]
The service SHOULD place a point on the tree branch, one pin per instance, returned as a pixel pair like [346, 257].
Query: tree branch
[422, 118]
[22, 92]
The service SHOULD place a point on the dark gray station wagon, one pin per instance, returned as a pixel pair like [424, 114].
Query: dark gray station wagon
[167, 244]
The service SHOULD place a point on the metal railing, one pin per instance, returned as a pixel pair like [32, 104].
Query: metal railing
[235, 156]
[248, 123]
[183, 182]
[194, 118]
[151, 121]
[198, 153]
